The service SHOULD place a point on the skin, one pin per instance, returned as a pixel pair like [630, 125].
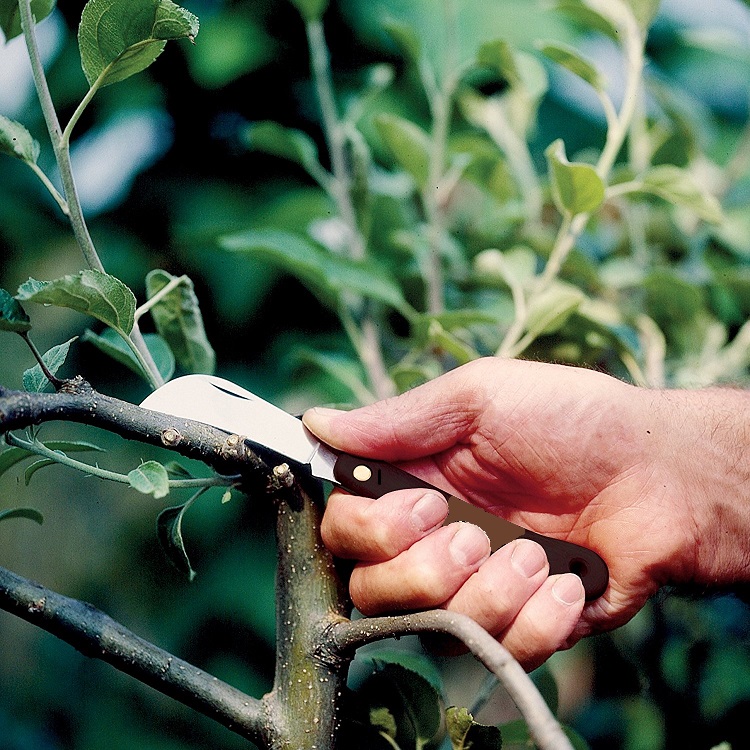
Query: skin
[654, 481]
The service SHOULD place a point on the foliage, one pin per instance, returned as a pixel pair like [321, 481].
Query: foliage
[382, 224]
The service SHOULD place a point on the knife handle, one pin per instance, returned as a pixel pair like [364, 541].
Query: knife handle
[370, 478]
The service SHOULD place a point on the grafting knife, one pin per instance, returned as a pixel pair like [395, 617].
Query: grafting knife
[226, 406]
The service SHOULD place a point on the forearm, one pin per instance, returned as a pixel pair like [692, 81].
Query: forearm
[708, 452]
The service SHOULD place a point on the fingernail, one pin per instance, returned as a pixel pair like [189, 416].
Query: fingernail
[429, 511]
[319, 418]
[568, 589]
[469, 545]
[528, 558]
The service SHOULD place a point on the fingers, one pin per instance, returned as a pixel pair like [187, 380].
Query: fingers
[376, 530]
[425, 575]
[417, 423]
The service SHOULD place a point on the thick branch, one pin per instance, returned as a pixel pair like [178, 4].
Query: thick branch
[77, 401]
[97, 635]
[346, 635]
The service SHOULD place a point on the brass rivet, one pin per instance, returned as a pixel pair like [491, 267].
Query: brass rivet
[362, 473]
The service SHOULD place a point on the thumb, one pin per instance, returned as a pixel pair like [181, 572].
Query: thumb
[420, 422]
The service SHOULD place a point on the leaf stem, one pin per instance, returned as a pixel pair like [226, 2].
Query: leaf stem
[60, 147]
[50, 187]
[364, 335]
[56, 382]
[159, 296]
[137, 345]
[40, 449]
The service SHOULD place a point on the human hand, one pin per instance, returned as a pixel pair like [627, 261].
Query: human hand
[566, 452]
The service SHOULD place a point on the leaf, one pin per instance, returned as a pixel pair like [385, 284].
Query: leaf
[169, 533]
[414, 662]
[177, 470]
[34, 380]
[409, 145]
[11, 456]
[332, 274]
[572, 60]
[12, 316]
[178, 320]
[500, 57]
[467, 734]
[98, 294]
[405, 37]
[549, 310]
[32, 469]
[118, 38]
[286, 143]
[577, 188]
[590, 19]
[680, 188]
[310, 10]
[547, 686]
[644, 11]
[450, 344]
[16, 141]
[30, 513]
[10, 16]
[382, 719]
[111, 343]
[413, 702]
[150, 478]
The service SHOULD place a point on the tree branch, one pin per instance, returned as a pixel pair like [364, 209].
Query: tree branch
[77, 401]
[347, 635]
[98, 636]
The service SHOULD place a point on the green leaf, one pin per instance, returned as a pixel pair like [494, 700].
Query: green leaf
[118, 38]
[547, 686]
[500, 57]
[409, 144]
[549, 310]
[150, 478]
[12, 316]
[413, 702]
[331, 274]
[414, 662]
[16, 141]
[92, 292]
[169, 533]
[448, 343]
[30, 513]
[111, 343]
[11, 456]
[177, 470]
[570, 58]
[587, 17]
[680, 188]
[466, 734]
[32, 469]
[644, 11]
[310, 10]
[286, 143]
[405, 37]
[10, 15]
[382, 719]
[34, 380]
[577, 188]
[178, 320]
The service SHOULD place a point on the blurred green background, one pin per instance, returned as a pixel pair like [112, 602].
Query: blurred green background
[162, 172]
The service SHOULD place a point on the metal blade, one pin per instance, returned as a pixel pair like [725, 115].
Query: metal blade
[220, 403]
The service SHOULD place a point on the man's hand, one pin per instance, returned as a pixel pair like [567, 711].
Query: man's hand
[566, 452]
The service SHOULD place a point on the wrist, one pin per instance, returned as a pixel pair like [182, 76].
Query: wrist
[706, 455]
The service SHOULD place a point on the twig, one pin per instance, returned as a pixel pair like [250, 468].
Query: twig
[544, 728]
[56, 382]
[62, 153]
[98, 636]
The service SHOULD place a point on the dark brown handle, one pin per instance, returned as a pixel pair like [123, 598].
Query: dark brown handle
[370, 478]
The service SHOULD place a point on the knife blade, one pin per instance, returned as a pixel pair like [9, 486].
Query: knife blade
[229, 407]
